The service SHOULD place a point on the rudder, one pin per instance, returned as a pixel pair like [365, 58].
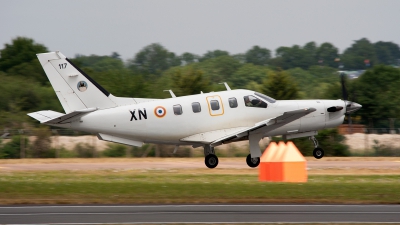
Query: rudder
[73, 87]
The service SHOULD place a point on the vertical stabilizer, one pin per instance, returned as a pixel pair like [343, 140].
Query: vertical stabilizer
[75, 89]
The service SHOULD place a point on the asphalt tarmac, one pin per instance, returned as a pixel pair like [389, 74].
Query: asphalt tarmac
[199, 214]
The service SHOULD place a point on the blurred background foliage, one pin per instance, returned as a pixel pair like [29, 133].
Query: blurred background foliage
[291, 72]
[296, 72]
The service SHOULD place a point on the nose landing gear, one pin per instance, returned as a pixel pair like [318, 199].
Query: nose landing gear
[318, 152]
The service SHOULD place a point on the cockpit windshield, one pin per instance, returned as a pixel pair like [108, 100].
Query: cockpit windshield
[266, 98]
[251, 101]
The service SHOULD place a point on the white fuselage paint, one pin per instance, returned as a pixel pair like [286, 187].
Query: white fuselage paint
[171, 128]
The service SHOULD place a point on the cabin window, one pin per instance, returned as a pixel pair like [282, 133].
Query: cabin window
[177, 109]
[232, 102]
[251, 101]
[214, 105]
[196, 107]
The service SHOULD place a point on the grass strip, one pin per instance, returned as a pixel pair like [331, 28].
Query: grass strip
[139, 187]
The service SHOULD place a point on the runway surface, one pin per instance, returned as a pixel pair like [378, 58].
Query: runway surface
[198, 214]
[191, 164]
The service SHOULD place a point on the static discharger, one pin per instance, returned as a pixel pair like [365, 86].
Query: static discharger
[282, 163]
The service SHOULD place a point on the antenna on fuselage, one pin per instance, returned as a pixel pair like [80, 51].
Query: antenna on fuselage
[226, 85]
[172, 93]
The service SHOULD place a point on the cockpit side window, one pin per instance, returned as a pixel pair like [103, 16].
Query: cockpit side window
[251, 101]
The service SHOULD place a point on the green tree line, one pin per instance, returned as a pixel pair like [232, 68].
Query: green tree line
[296, 72]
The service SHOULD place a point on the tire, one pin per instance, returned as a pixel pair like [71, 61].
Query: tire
[211, 161]
[252, 162]
[318, 153]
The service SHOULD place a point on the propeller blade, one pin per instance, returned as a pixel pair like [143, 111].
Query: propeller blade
[350, 124]
[344, 91]
[354, 96]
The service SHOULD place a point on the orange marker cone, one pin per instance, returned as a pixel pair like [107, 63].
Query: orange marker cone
[276, 168]
[294, 165]
[264, 167]
[282, 163]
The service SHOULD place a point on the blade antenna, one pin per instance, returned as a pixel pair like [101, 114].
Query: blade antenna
[226, 86]
[171, 93]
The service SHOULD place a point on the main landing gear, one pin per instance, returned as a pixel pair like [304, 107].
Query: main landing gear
[318, 152]
[211, 160]
[252, 162]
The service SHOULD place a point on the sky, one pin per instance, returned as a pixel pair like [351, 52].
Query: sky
[101, 27]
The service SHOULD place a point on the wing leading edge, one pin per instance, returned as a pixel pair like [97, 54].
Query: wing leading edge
[259, 129]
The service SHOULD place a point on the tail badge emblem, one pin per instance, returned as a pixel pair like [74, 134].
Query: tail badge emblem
[82, 86]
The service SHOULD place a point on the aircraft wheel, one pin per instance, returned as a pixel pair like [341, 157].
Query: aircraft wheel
[318, 153]
[211, 161]
[252, 162]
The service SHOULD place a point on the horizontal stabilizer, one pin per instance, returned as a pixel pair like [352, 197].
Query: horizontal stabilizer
[51, 117]
[45, 115]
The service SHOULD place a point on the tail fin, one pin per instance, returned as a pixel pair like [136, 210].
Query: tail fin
[75, 89]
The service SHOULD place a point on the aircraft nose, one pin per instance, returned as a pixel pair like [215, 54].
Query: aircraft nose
[352, 107]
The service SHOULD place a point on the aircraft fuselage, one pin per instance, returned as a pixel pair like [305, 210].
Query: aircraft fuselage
[142, 123]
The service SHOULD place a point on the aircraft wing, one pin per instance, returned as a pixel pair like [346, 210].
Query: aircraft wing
[265, 126]
[52, 117]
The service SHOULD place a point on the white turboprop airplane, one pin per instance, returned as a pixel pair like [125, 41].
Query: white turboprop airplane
[204, 120]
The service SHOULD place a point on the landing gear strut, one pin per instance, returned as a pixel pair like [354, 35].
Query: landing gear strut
[252, 162]
[211, 160]
[318, 152]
